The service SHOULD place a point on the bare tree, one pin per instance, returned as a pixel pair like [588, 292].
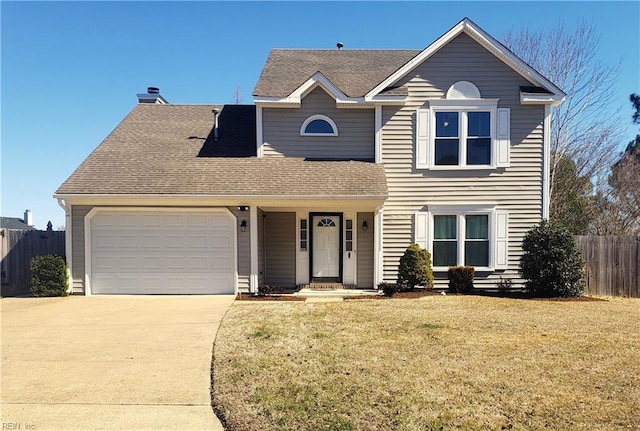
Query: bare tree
[583, 128]
[617, 203]
[617, 207]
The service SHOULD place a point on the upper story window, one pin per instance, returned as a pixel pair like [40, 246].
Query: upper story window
[318, 125]
[462, 131]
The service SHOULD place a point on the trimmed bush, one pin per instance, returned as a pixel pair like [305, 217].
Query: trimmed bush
[552, 263]
[461, 279]
[49, 276]
[415, 268]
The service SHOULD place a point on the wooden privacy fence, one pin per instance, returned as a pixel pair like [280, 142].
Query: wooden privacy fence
[612, 265]
[17, 249]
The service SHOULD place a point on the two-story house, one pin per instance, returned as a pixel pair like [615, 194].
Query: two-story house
[346, 158]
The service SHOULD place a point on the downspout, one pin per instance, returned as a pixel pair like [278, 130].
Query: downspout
[67, 241]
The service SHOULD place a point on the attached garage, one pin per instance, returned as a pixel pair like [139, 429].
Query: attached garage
[161, 251]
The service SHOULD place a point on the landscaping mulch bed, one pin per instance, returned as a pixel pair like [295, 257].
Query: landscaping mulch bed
[404, 295]
[252, 297]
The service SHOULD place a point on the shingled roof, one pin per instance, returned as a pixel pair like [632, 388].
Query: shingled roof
[354, 72]
[14, 223]
[169, 149]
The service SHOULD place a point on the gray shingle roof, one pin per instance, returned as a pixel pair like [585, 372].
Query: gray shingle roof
[169, 149]
[14, 223]
[354, 72]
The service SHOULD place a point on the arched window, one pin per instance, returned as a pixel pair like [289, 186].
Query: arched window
[318, 125]
[326, 222]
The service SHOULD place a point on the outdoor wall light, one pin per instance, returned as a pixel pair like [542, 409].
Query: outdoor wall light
[243, 225]
[365, 226]
[243, 208]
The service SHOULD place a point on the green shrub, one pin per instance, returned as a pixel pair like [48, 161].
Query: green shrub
[415, 268]
[49, 276]
[461, 279]
[552, 263]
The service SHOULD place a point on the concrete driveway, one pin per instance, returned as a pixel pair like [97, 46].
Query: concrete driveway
[109, 362]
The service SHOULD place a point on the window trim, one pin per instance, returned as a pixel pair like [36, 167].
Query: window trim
[497, 230]
[318, 117]
[463, 107]
[425, 130]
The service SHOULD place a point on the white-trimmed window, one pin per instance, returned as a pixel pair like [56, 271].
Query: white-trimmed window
[318, 125]
[463, 131]
[464, 235]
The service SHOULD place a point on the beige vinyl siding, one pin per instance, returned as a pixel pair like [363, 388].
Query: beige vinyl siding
[517, 188]
[365, 251]
[77, 247]
[243, 249]
[280, 237]
[281, 130]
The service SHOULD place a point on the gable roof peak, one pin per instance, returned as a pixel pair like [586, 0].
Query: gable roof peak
[483, 38]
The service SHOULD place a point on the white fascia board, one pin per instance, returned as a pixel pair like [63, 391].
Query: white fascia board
[265, 102]
[386, 100]
[295, 98]
[476, 33]
[540, 99]
[462, 103]
[198, 201]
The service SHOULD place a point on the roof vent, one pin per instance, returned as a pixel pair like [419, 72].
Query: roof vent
[339, 45]
[152, 96]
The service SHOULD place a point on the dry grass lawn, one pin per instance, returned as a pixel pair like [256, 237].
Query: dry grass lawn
[435, 363]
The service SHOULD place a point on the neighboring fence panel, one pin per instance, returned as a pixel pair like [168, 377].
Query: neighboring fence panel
[17, 249]
[613, 265]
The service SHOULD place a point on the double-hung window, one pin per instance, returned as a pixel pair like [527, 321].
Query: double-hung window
[471, 236]
[462, 132]
[462, 138]
[461, 239]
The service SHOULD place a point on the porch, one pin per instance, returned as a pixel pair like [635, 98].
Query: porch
[308, 249]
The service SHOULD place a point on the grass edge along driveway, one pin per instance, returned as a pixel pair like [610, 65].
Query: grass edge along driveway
[440, 362]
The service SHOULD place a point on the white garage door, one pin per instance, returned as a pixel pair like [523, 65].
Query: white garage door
[151, 252]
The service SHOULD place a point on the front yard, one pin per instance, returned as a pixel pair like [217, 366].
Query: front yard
[435, 363]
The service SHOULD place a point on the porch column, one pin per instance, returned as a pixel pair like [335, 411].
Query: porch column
[253, 237]
[378, 276]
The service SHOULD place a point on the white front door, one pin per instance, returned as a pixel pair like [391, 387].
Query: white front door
[326, 246]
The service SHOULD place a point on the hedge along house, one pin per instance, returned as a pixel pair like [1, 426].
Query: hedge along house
[346, 158]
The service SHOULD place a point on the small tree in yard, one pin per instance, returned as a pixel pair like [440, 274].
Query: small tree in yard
[49, 276]
[552, 263]
[415, 268]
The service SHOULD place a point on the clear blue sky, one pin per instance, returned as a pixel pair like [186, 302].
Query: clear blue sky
[71, 70]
